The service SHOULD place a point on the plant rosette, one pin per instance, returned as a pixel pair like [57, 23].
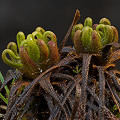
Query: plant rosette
[37, 52]
[92, 38]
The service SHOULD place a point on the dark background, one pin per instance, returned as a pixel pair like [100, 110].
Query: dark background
[54, 15]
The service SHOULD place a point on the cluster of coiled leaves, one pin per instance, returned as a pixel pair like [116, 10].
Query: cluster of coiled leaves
[92, 38]
[37, 52]
[82, 86]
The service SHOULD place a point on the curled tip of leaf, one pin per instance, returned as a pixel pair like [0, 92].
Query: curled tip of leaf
[48, 36]
[75, 28]
[54, 54]
[88, 22]
[37, 35]
[23, 43]
[106, 33]
[105, 21]
[30, 37]
[40, 29]
[12, 46]
[20, 37]
[14, 62]
[33, 50]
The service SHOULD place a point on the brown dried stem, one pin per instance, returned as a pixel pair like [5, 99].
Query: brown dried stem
[101, 92]
[85, 70]
[76, 18]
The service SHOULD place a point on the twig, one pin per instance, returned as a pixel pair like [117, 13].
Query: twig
[116, 102]
[76, 18]
[76, 102]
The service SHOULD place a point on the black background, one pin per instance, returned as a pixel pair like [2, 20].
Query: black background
[54, 15]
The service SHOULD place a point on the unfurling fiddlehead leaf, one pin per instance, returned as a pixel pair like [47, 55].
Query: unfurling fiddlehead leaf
[37, 52]
[115, 36]
[16, 63]
[75, 28]
[95, 43]
[40, 29]
[106, 33]
[12, 46]
[86, 37]
[91, 39]
[32, 48]
[54, 54]
[37, 34]
[44, 51]
[88, 22]
[20, 37]
[48, 35]
[12, 52]
[77, 42]
[105, 21]
[30, 67]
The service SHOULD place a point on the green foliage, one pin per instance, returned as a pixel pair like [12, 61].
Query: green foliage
[5, 99]
[114, 109]
[37, 52]
[7, 90]
[77, 70]
[92, 38]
